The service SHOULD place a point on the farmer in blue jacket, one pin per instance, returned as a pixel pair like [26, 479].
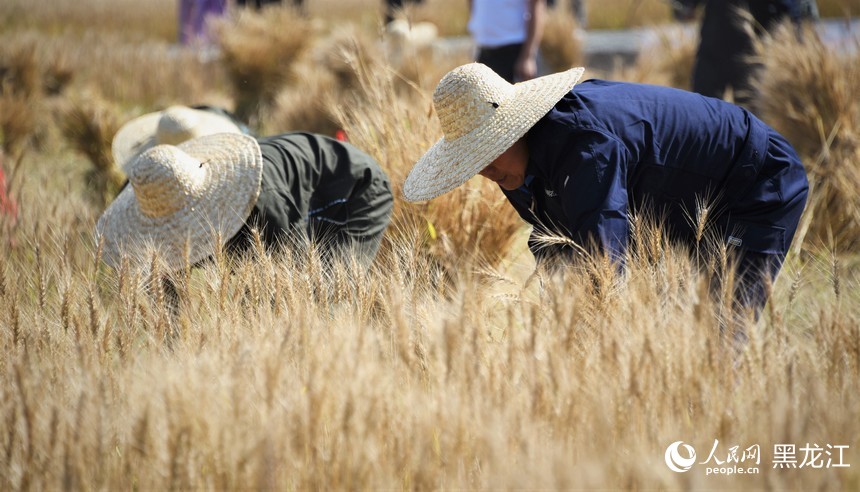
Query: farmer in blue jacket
[579, 160]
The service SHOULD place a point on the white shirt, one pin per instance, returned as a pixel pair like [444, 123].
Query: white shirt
[498, 22]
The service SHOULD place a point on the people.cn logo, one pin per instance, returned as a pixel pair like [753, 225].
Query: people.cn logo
[675, 461]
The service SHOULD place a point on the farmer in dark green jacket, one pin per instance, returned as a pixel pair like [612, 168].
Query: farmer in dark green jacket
[183, 199]
[321, 189]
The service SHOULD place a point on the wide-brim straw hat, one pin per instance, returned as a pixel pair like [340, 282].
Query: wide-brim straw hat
[482, 115]
[181, 200]
[173, 126]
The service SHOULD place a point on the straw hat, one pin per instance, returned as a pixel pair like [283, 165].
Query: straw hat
[481, 115]
[174, 125]
[181, 197]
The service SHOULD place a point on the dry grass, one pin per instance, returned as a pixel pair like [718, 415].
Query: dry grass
[19, 71]
[838, 8]
[809, 89]
[274, 376]
[615, 14]
[810, 96]
[670, 62]
[17, 124]
[156, 19]
[448, 365]
[323, 79]
[128, 19]
[559, 48]
[27, 78]
[395, 123]
[260, 51]
[149, 73]
[89, 125]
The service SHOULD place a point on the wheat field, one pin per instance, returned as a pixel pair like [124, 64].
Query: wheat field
[451, 364]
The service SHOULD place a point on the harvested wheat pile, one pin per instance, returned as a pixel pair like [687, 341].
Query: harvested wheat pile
[809, 93]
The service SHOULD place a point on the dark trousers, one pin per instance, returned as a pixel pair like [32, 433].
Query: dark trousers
[760, 225]
[726, 45]
[501, 59]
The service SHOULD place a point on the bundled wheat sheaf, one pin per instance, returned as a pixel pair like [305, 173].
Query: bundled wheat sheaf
[452, 363]
[810, 95]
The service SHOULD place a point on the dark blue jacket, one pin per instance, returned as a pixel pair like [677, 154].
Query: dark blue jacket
[609, 148]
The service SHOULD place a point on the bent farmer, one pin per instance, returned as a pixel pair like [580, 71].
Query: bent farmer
[182, 197]
[173, 125]
[578, 159]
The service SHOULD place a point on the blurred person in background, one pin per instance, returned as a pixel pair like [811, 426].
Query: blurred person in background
[194, 19]
[729, 28]
[259, 4]
[576, 160]
[577, 8]
[172, 125]
[507, 34]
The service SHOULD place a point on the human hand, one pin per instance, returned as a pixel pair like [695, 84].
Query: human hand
[525, 68]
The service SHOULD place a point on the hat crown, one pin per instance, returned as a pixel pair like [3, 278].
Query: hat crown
[176, 125]
[165, 180]
[467, 97]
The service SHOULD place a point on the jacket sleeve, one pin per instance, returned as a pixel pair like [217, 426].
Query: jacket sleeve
[592, 186]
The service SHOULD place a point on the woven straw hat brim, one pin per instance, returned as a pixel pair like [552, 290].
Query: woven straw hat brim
[450, 163]
[138, 135]
[220, 204]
